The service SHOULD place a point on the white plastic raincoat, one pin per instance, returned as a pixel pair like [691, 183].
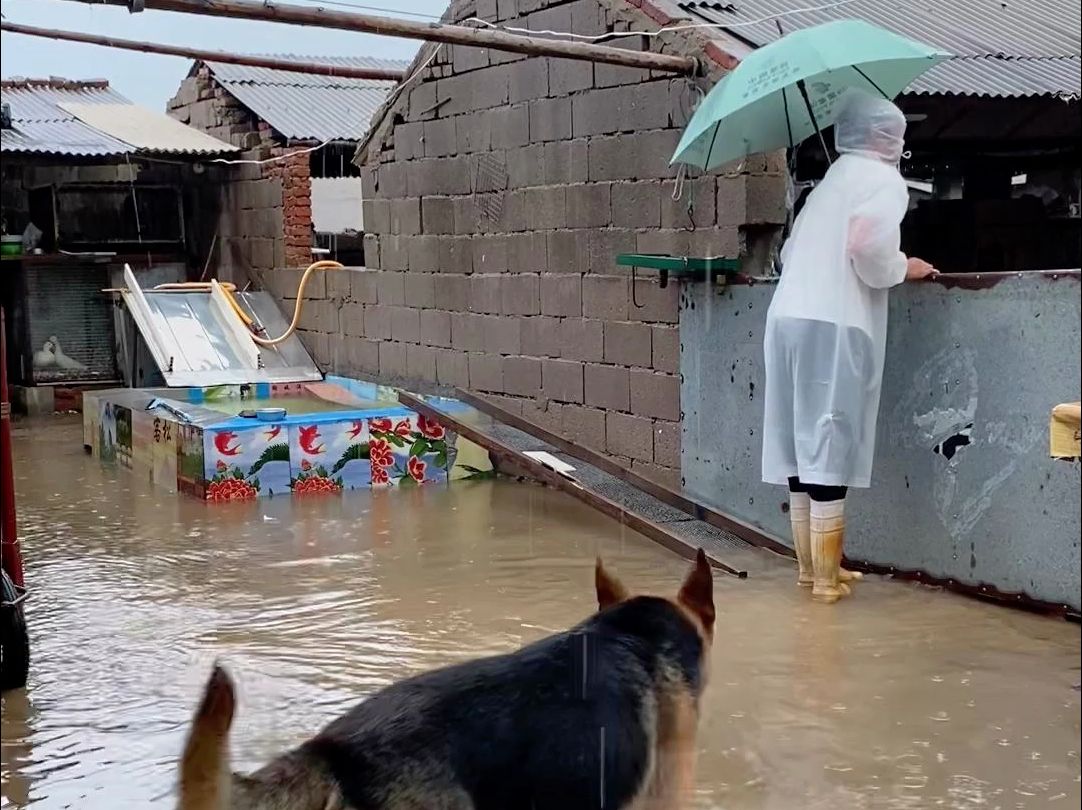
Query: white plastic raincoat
[826, 328]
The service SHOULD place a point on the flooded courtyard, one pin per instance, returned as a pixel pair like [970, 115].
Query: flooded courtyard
[901, 697]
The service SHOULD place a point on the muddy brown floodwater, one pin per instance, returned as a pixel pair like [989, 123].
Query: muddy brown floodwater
[901, 697]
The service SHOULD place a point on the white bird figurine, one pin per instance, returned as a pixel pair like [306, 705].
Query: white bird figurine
[62, 360]
[44, 357]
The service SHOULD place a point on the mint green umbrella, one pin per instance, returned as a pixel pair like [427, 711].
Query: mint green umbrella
[784, 92]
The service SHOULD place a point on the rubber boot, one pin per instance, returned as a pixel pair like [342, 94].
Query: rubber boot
[827, 535]
[800, 520]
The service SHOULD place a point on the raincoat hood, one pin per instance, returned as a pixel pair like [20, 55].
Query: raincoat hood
[869, 126]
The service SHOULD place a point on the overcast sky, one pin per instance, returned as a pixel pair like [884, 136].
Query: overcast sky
[151, 80]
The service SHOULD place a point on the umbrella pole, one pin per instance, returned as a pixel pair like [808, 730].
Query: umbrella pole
[807, 103]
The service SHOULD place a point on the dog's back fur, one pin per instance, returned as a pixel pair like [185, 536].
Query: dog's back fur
[600, 716]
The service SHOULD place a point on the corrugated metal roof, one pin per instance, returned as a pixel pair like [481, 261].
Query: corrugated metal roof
[145, 129]
[988, 36]
[62, 118]
[303, 106]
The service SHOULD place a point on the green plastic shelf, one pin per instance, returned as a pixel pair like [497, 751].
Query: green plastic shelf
[679, 265]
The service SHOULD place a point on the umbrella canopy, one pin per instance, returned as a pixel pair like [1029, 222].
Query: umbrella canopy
[784, 92]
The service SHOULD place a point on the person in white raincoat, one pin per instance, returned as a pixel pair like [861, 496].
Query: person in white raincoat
[826, 333]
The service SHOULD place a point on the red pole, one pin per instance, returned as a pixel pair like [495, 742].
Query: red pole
[9, 540]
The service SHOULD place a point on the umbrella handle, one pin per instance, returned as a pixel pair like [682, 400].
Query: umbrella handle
[803, 88]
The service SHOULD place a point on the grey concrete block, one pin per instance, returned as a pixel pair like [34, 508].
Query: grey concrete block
[420, 289]
[605, 244]
[550, 119]
[486, 372]
[541, 336]
[439, 137]
[561, 295]
[362, 355]
[511, 126]
[363, 287]
[700, 193]
[377, 322]
[405, 324]
[394, 252]
[636, 205]
[405, 216]
[562, 380]
[528, 80]
[452, 368]
[409, 140]
[669, 242]
[527, 252]
[435, 326]
[520, 294]
[629, 436]
[567, 76]
[446, 175]
[633, 108]
[424, 253]
[656, 395]
[657, 304]
[526, 166]
[589, 205]
[392, 360]
[490, 254]
[522, 376]
[725, 241]
[455, 254]
[421, 363]
[568, 251]
[422, 100]
[391, 289]
[452, 292]
[628, 343]
[639, 155]
[607, 387]
[581, 339]
[486, 294]
[605, 297]
[665, 345]
[546, 207]
[566, 162]
[473, 132]
[503, 334]
[466, 218]
[437, 215]
[732, 200]
[467, 331]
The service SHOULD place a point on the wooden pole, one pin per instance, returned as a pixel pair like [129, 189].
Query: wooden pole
[409, 29]
[343, 71]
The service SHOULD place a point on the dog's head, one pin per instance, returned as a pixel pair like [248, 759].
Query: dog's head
[695, 599]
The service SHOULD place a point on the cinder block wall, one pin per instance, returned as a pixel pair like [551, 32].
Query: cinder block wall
[266, 210]
[498, 191]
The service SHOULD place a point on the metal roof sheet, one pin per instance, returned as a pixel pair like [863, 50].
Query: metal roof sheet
[145, 129]
[303, 106]
[1004, 49]
[90, 119]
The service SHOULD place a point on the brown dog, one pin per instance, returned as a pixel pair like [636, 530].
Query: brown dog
[601, 716]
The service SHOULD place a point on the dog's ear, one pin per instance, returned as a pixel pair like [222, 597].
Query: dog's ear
[610, 590]
[204, 766]
[697, 592]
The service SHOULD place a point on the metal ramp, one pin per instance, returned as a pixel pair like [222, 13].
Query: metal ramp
[196, 339]
[518, 446]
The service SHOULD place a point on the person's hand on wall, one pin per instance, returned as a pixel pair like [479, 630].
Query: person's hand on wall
[916, 269]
